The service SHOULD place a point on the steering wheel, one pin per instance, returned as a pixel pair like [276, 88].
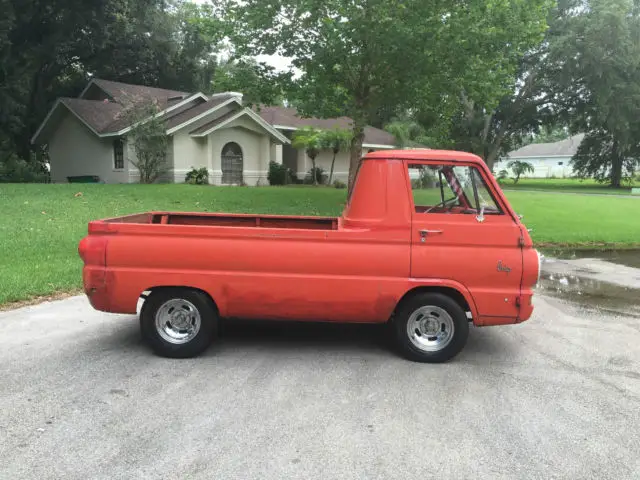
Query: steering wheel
[443, 204]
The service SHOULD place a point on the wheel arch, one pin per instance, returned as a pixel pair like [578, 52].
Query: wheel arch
[458, 293]
[151, 290]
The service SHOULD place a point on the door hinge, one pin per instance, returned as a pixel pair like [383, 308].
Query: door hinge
[521, 242]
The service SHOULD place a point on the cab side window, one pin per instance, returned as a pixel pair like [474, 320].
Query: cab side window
[450, 189]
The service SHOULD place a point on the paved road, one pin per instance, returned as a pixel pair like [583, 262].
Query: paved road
[82, 398]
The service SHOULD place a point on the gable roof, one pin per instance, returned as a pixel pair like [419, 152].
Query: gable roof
[288, 119]
[96, 115]
[184, 118]
[563, 148]
[124, 92]
[233, 115]
[103, 112]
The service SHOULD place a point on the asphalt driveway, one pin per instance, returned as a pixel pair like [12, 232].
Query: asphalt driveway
[82, 398]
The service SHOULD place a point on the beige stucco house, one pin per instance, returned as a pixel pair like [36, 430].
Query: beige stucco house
[88, 136]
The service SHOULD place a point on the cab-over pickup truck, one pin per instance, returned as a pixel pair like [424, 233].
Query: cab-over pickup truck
[427, 242]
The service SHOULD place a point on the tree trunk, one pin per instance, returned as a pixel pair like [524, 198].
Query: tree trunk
[333, 163]
[355, 153]
[314, 172]
[616, 167]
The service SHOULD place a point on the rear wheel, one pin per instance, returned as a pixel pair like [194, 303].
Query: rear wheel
[178, 322]
[431, 327]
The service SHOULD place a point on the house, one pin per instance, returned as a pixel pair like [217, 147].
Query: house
[547, 159]
[87, 136]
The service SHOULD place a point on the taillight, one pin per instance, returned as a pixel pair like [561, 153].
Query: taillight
[93, 250]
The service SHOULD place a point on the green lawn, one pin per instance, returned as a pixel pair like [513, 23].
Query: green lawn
[42, 224]
[567, 185]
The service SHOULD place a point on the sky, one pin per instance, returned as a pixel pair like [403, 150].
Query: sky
[278, 62]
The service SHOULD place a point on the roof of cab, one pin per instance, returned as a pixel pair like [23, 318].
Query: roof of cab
[424, 154]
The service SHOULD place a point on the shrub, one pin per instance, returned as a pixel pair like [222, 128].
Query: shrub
[16, 170]
[278, 174]
[197, 176]
[339, 184]
[502, 175]
[320, 175]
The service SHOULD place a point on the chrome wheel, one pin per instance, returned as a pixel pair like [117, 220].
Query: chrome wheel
[430, 328]
[178, 321]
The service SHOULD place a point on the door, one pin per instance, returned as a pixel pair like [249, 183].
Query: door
[232, 164]
[460, 232]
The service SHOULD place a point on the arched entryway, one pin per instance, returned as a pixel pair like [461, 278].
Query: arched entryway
[232, 164]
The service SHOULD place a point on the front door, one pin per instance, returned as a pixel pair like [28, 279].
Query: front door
[232, 164]
[460, 232]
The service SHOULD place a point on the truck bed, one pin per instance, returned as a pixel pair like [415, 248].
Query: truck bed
[229, 220]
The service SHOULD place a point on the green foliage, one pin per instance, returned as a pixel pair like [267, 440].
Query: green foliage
[16, 170]
[258, 82]
[367, 60]
[50, 49]
[339, 184]
[336, 140]
[316, 176]
[598, 86]
[308, 139]
[602, 157]
[197, 176]
[279, 174]
[502, 175]
[549, 134]
[149, 139]
[519, 168]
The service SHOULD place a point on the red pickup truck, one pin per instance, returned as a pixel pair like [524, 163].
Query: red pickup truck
[427, 242]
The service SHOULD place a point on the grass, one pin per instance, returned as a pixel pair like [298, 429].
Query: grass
[565, 185]
[42, 224]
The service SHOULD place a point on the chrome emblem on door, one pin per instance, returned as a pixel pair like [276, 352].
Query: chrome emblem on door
[503, 268]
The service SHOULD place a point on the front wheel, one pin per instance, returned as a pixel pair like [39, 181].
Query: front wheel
[431, 328]
[178, 322]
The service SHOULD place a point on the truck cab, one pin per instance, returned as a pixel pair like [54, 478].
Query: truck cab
[427, 242]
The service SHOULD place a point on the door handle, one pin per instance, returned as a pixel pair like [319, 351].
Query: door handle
[424, 233]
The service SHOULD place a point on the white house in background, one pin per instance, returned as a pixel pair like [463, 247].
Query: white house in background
[547, 159]
[87, 136]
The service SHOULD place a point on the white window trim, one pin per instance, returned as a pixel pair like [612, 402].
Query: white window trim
[113, 154]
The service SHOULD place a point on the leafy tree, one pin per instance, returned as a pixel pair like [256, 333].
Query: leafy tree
[519, 168]
[335, 140]
[550, 134]
[406, 131]
[50, 49]
[258, 82]
[362, 58]
[149, 139]
[600, 85]
[309, 139]
[603, 157]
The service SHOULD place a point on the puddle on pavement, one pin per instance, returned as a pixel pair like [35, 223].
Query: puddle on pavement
[590, 293]
[630, 258]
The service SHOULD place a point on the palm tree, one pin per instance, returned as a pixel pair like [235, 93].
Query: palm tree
[310, 140]
[406, 131]
[335, 140]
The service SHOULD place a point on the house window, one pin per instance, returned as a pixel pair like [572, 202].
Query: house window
[118, 154]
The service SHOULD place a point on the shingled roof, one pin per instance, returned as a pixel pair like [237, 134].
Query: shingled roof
[124, 92]
[101, 106]
[563, 148]
[288, 117]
